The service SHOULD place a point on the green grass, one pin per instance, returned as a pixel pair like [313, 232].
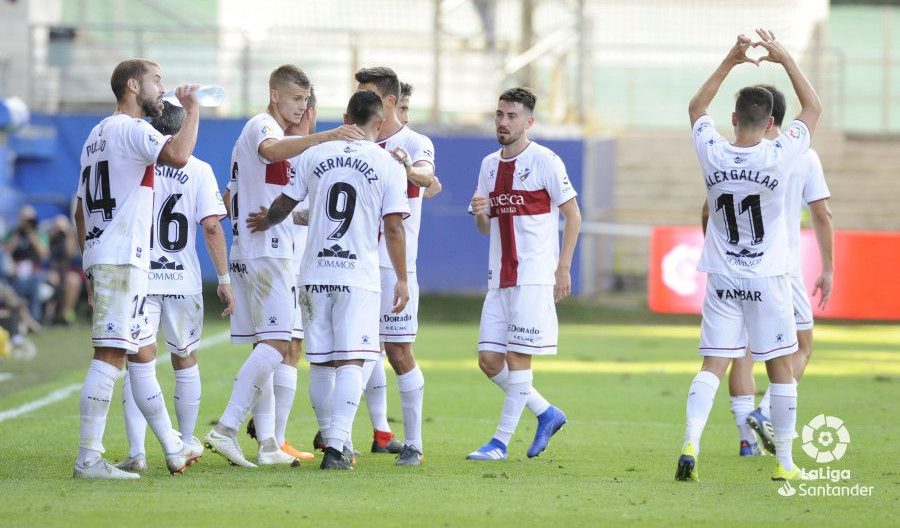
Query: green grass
[622, 384]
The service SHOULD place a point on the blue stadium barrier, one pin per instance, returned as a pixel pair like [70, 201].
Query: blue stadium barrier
[452, 254]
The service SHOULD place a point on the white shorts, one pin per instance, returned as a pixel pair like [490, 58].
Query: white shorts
[341, 323]
[181, 317]
[737, 310]
[119, 295]
[519, 319]
[803, 314]
[263, 307]
[297, 330]
[400, 327]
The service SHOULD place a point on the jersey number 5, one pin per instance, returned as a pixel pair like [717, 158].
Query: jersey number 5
[751, 206]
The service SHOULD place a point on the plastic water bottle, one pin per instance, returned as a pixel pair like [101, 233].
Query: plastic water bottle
[208, 95]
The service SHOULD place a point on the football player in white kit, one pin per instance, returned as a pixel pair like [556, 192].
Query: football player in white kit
[406, 91]
[261, 264]
[183, 198]
[113, 218]
[806, 186]
[352, 187]
[284, 380]
[745, 254]
[522, 189]
[398, 331]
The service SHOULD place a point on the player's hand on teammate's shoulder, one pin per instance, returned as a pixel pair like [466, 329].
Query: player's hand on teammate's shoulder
[480, 205]
[776, 51]
[738, 53]
[563, 287]
[401, 296]
[823, 286]
[400, 154]
[226, 296]
[346, 133]
[187, 96]
[257, 221]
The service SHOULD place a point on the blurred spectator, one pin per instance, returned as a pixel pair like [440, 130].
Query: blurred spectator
[65, 273]
[16, 320]
[27, 250]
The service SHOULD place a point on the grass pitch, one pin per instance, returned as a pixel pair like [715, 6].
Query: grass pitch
[622, 380]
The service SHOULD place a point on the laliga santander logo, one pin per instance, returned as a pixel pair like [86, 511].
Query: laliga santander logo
[679, 269]
[825, 439]
[786, 490]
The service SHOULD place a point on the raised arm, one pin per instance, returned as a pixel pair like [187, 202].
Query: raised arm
[736, 55]
[273, 150]
[810, 105]
[266, 218]
[178, 150]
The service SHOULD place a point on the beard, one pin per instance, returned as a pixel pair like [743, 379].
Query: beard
[151, 107]
[507, 138]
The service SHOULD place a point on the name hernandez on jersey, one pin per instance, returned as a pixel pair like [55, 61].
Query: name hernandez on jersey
[806, 185]
[746, 234]
[183, 198]
[116, 190]
[524, 194]
[351, 186]
[256, 183]
[420, 148]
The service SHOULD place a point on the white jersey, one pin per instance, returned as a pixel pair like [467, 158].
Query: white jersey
[182, 199]
[525, 193]
[806, 185]
[116, 190]
[256, 183]
[745, 187]
[299, 231]
[351, 187]
[420, 148]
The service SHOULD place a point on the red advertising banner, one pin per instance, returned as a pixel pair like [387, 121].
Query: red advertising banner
[866, 277]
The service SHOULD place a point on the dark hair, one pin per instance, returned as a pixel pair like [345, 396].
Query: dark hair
[382, 77]
[520, 95]
[288, 73]
[363, 106]
[406, 90]
[169, 122]
[778, 105]
[125, 70]
[753, 106]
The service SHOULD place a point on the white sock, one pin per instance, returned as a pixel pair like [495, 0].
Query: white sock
[285, 384]
[135, 424]
[412, 392]
[741, 406]
[264, 411]
[784, 420]
[321, 389]
[700, 400]
[96, 394]
[764, 404]
[376, 394]
[518, 389]
[344, 402]
[187, 400]
[149, 399]
[536, 403]
[252, 376]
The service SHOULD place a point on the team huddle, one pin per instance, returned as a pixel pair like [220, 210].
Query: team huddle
[325, 229]
[325, 233]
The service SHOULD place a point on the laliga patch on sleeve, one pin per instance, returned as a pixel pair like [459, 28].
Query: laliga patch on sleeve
[797, 131]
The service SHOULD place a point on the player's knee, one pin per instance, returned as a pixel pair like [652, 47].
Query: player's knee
[490, 364]
[183, 362]
[400, 357]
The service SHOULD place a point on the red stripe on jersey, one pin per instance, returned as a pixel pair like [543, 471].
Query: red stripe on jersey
[147, 180]
[412, 190]
[509, 258]
[278, 173]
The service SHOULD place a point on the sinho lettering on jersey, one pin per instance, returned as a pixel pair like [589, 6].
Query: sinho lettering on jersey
[741, 174]
[178, 175]
[346, 162]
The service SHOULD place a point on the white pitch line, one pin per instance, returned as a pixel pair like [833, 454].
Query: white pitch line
[68, 390]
